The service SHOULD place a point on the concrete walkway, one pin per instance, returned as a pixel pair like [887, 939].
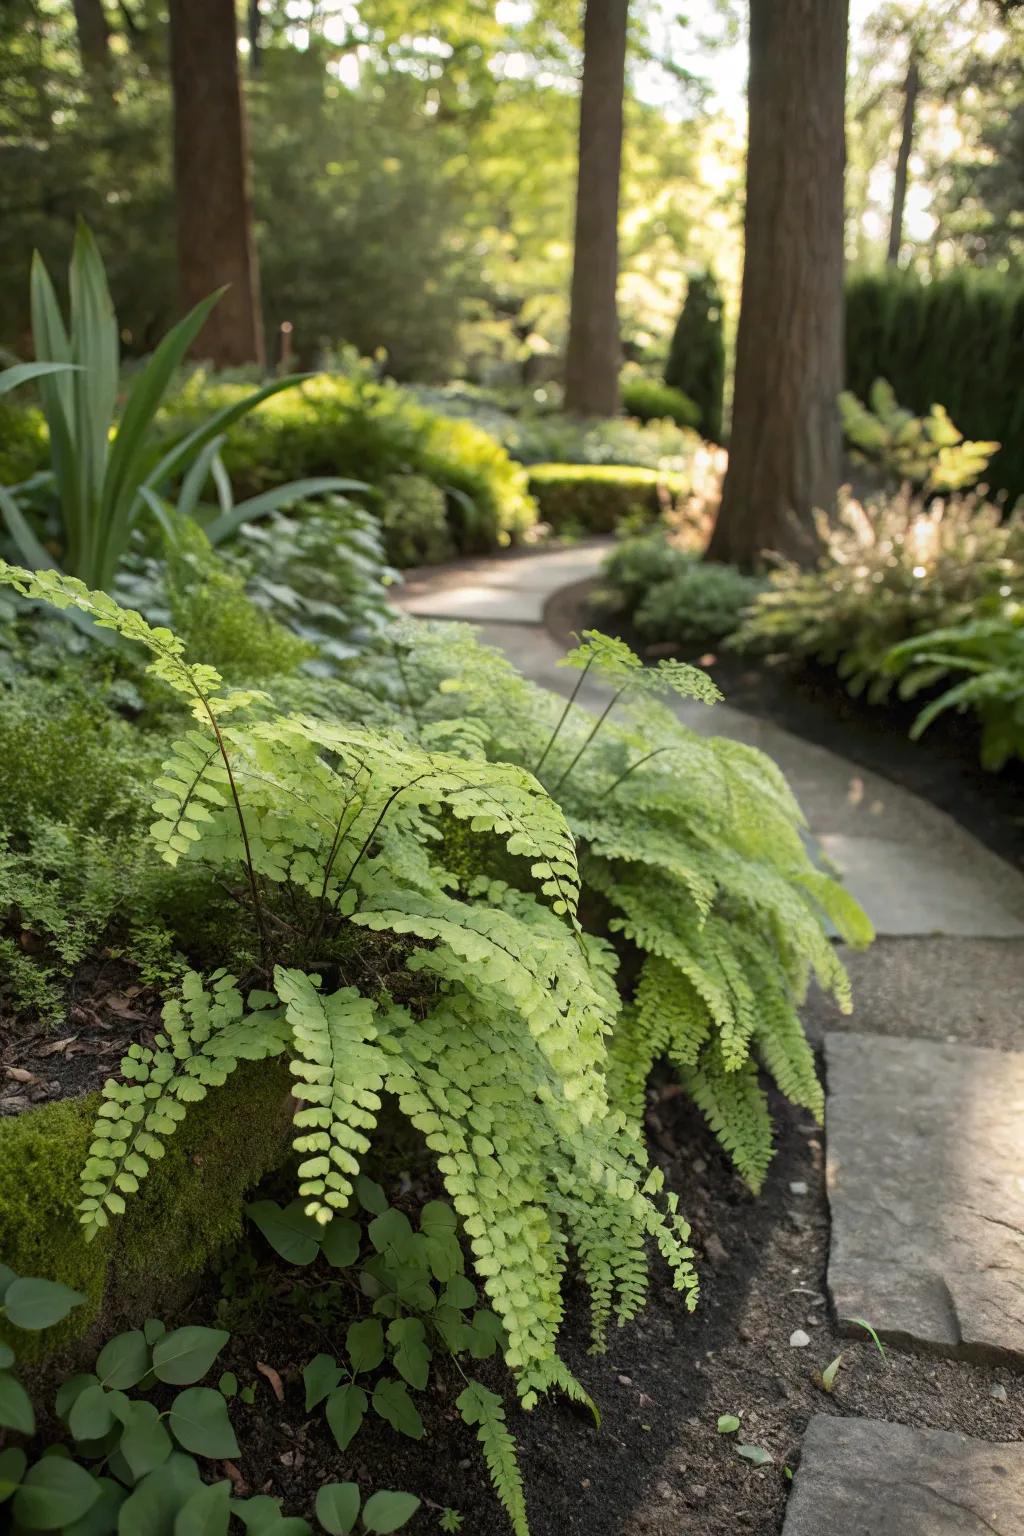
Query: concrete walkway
[925, 1127]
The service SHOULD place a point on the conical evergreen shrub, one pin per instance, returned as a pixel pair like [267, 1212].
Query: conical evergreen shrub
[696, 357]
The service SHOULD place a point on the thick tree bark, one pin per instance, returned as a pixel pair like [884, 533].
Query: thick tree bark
[784, 459]
[254, 26]
[899, 190]
[211, 176]
[592, 358]
[93, 32]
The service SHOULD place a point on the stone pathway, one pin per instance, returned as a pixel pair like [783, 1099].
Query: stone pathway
[925, 1107]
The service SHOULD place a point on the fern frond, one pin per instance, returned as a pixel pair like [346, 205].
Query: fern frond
[484, 1411]
[735, 1107]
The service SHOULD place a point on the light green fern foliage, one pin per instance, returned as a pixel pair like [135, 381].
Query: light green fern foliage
[693, 844]
[482, 1007]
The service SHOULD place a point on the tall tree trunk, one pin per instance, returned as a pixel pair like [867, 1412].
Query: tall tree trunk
[592, 358]
[211, 177]
[899, 190]
[784, 459]
[93, 31]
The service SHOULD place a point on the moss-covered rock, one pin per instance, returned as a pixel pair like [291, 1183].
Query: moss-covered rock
[188, 1208]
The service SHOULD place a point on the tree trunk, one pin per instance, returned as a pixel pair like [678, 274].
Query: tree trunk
[93, 31]
[592, 358]
[899, 190]
[211, 178]
[784, 459]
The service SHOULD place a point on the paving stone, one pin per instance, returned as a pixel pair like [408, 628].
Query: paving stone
[478, 602]
[956, 887]
[925, 1170]
[860, 1477]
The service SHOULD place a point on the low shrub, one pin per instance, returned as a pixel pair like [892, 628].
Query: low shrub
[667, 594]
[989, 649]
[576, 498]
[557, 439]
[890, 570]
[651, 400]
[373, 431]
[414, 518]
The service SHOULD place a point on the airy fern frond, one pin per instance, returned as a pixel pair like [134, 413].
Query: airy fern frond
[484, 1411]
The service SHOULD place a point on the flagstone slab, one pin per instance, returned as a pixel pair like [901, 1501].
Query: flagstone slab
[954, 886]
[507, 589]
[925, 1173]
[861, 1477]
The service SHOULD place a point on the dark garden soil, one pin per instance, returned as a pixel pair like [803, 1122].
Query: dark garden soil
[811, 701]
[658, 1464]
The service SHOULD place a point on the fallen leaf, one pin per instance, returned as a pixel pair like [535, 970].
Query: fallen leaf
[755, 1453]
[57, 1046]
[274, 1379]
[22, 1075]
[238, 1482]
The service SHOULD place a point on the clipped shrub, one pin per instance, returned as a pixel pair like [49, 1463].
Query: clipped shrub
[696, 354]
[889, 570]
[602, 498]
[372, 431]
[556, 439]
[956, 340]
[650, 400]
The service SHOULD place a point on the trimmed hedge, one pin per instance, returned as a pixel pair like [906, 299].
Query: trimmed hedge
[957, 341]
[600, 498]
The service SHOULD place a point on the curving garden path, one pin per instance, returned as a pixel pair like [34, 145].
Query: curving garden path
[925, 1084]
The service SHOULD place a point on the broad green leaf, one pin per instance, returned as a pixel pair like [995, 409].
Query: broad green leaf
[385, 1511]
[145, 1443]
[228, 1385]
[101, 1519]
[152, 1508]
[346, 1409]
[437, 1219]
[124, 1360]
[186, 1354]
[392, 1402]
[273, 500]
[92, 1415]
[337, 1506]
[370, 1196]
[411, 1357]
[13, 1462]
[340, 1242]
[34, 1304]
[69, 1392]
[365, 1344]
[321, 1376]
[290, 1232]
[392, 1231]
[15, 1405]
[54, 1493]
[728, 1424]
[206, 1513]
[199, 1422]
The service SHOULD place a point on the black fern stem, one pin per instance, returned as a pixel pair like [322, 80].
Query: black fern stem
[602, 717]
[613, 786]
[570, 701]
[254, 889]
[389, 802]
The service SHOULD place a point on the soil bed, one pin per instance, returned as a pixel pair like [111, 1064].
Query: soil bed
[658, 1464]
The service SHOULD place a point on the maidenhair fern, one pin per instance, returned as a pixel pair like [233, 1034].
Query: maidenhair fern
[694, 846]
[483, 1008]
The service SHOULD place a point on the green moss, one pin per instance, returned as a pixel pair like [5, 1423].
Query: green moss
[187, 1209]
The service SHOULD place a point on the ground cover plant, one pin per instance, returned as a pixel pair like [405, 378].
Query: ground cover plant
[891, 569]
[667, 595]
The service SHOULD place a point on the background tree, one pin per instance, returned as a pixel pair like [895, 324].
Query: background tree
[696, 354]
[592, 355]
[94, 43]
[784, 458]
[211, 180]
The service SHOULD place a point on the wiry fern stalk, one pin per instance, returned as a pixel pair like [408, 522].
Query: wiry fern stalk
[695, 845]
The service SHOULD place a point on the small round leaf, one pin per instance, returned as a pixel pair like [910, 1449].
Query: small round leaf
[337, 1506]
